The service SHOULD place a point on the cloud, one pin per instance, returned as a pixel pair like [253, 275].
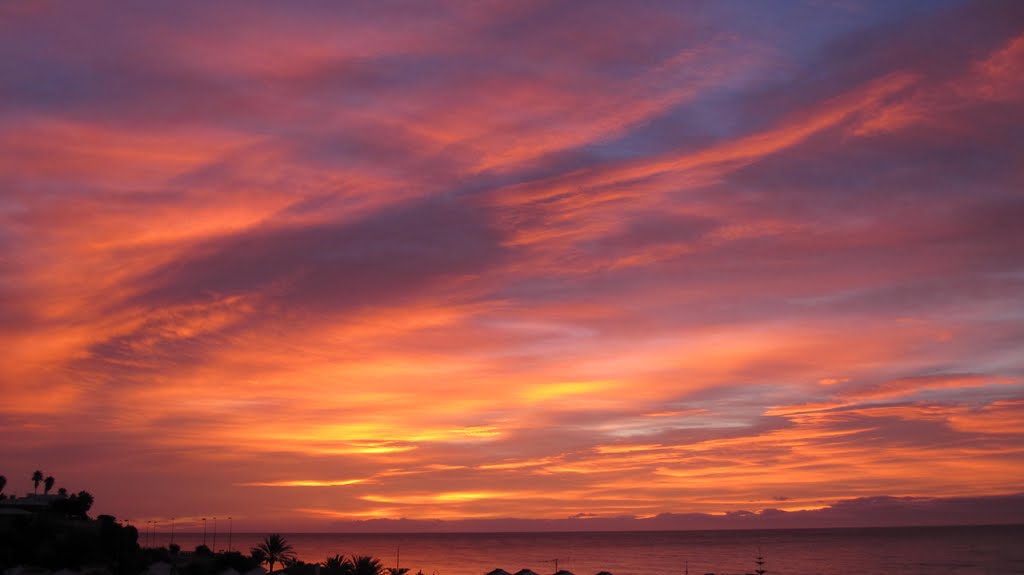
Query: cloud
[483, 261]
[343, 265]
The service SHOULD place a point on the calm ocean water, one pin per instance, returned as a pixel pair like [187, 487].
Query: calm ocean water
[990, 550]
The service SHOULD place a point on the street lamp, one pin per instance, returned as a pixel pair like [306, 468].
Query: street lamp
[231, 525]
[214, 534]
[204, 532]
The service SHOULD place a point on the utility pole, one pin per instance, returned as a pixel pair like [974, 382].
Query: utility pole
[231, 529]
[214, 534]
[204, 532]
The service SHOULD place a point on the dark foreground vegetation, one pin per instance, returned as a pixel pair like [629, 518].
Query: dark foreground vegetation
[53, 531]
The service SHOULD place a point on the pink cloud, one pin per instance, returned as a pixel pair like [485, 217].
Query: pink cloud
[492, 261]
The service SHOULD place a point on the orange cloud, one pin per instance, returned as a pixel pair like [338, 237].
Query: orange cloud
[573, 269]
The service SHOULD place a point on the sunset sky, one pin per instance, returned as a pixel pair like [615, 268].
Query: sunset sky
[307, 262]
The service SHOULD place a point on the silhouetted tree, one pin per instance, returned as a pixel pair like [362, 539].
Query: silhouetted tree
[258, 555]
[75, 506]
[294, 564]
[85, 501]
[274, 548]
[48, 484]
[226, 560]
[37, 478]
[62, 492]
[3, 483]
[760, 563]
[397, 570]
[367, 565]
[337, 565]
[335, 562]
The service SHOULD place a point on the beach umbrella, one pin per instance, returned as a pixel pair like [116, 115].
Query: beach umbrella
[499, 572]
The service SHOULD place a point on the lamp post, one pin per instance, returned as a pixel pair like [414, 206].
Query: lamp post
[204, 531]
[214, 534]
[231, 526]
[172, 531]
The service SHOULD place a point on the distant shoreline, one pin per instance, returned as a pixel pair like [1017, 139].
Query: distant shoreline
[610, 531]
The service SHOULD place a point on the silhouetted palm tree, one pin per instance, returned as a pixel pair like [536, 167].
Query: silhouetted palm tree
[397, 570]
[337, 565]
[274, 548]
[48, 484]
[62, 492]
[37, 478]
[367, 565]
[258, 555]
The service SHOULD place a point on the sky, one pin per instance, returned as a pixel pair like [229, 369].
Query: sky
[310, 263]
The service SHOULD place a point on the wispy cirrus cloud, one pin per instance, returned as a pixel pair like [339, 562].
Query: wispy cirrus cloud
[476, 261]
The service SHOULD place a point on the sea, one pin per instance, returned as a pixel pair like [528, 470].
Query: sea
[974, 550]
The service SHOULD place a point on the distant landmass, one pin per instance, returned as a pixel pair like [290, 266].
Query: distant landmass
[860, 512]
